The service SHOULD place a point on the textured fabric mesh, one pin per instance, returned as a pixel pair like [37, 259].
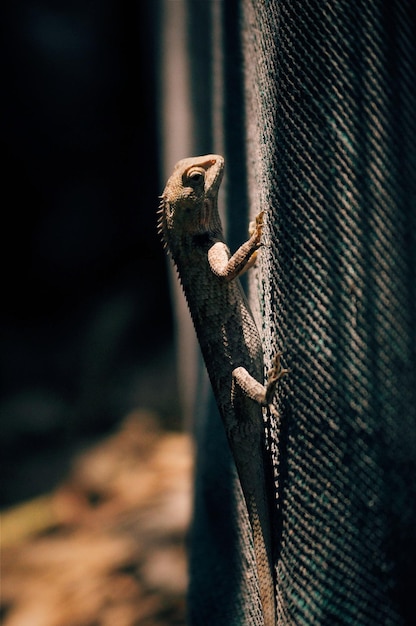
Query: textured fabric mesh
[324, 95]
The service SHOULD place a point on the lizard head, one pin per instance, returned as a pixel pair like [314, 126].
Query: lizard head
[189, 201]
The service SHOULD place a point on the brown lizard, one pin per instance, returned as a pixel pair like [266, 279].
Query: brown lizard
[191, 229]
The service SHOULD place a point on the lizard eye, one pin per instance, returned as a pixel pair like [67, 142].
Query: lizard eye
[195, 176]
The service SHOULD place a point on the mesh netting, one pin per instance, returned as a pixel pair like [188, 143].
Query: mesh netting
[332, 122]
[329, 110]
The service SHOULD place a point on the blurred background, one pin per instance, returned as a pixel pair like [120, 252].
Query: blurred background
[87, 363]
[85, 316]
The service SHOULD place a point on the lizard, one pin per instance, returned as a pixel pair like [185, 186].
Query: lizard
[190, 227]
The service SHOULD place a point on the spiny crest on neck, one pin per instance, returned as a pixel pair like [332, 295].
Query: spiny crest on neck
[188, 206]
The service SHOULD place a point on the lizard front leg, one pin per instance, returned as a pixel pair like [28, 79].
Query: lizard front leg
[226, 267]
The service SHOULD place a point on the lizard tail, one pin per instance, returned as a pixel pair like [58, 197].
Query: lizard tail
[246, 445]
[264, 568]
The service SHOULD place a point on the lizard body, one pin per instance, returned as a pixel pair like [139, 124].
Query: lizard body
[230, 343]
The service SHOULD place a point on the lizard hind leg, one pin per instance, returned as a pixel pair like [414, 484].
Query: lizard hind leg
[262, 394]
[249, 385]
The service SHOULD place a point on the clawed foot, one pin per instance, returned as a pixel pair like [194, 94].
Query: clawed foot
[255, 228]
[276, 371]
[273, 376]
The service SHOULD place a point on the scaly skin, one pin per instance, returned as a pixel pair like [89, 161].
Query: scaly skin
[191, 229]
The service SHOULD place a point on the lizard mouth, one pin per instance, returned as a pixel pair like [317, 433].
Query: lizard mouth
[214, 176]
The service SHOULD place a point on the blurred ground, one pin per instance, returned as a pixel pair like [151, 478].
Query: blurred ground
[106, 547]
